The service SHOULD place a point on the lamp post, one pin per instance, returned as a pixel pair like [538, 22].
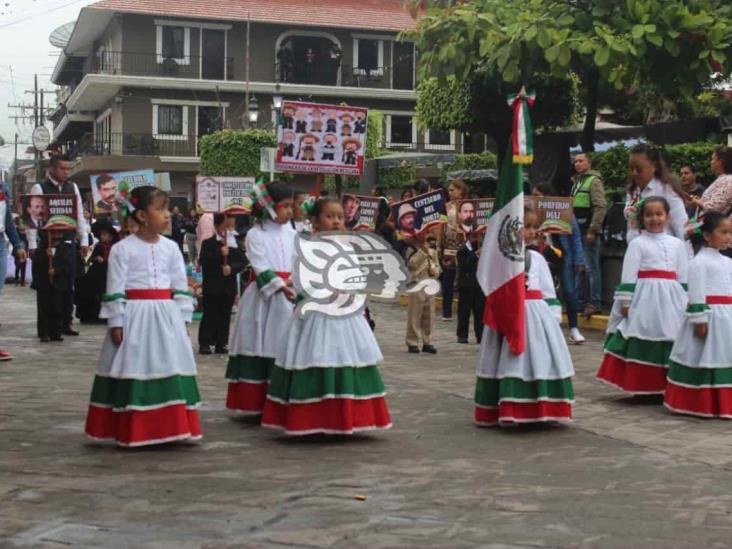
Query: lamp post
[253, 111]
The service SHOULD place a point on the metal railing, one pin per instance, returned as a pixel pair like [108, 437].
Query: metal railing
[150, 64]
[327, 74]
[134, 144]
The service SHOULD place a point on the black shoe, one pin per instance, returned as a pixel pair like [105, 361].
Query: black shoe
[70, 331]
[222, 350]
[57, 338]
[413, 349]
[429, 349]
[204, 350]
[462, 340]
[45, 339]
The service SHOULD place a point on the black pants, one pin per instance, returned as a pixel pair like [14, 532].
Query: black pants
[470, 300]
[214, 329]
[20, 269]
[51, 306]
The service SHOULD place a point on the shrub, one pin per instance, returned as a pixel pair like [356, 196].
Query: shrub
[234, 152]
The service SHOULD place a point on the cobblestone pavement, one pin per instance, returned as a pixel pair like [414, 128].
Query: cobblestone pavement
[626, 474]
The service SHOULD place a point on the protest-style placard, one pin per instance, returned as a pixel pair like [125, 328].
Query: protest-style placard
[420, 213]
[231, 195]
[321, 139]
[473, 214]
[110, 189]
[53, 212]
[554, 212]
[360, 212]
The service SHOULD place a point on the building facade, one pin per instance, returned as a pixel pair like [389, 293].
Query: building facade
[141, 81]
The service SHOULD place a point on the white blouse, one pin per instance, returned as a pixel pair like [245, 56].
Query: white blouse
[540, 278]
[677, 216]
[655, 252]
[138, 265]
[271, 247]
[710, 273]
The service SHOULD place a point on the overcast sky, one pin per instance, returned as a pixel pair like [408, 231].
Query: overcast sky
[25, 26]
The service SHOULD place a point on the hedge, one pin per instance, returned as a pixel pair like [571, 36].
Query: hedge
[613, 163]
[234, 152]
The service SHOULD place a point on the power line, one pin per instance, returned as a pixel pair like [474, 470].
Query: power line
[44, 13]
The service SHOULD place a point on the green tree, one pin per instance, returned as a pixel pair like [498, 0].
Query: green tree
[672, 45]
[234, 152]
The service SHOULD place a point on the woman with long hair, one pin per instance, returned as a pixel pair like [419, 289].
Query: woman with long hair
[452, 239]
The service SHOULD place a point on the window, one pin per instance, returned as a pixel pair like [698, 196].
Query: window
[400, 131]
[174, 43]
[170, 121]
[368, 56]
[438, 139]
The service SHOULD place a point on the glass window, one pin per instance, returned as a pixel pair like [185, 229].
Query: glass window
[438, 137]
[170, 120]
[401, 130]
[173, 42]
[368, 54]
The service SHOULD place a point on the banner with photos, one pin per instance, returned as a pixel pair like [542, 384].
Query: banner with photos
[554, 212]
[110, 189]
[321, 139]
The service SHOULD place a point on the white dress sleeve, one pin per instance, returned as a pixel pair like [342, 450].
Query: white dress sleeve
[682, 263]
[679, 217]
[267, 280]
[113, 301]
[80, 220]
[546, 285]
[182, 294]
[631, 265]
[698, 310]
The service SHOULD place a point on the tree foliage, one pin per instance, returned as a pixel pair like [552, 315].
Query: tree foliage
[673, 45]
[234, 152]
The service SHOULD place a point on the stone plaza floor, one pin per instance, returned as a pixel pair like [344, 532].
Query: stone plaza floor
[625, 474]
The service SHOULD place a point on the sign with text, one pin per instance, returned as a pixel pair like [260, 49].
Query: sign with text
[420, 213]
[360, 212]
[554, 212]
[231, 195]
[49, 211]
[321, 139]
[110, 189]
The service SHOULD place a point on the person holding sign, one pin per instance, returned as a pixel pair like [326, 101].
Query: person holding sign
[451, 240]
[221, 261]
[62, 305]
[145, 389]
[423, 263]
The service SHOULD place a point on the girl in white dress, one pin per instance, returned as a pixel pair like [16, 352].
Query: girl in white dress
[535, 386]
[326, 378]
[266, 307]
[649, 305]
[651, 177]
[145, 390]
[700, 367]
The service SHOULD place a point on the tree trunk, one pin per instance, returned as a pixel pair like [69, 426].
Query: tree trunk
[588, 132]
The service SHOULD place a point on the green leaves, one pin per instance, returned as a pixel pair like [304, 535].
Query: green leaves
[234, 152]
[602, 56]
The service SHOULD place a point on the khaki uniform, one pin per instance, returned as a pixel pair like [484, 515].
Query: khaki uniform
[421, 307]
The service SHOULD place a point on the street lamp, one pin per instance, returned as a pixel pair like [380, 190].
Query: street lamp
[277, 102]
[253, 109]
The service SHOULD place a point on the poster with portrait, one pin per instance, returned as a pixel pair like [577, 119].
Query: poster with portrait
[321, 139]
[473, 214]
[360, 212]
[554, 212]
[419, 214]
[54, 212]
[231, 195]
[109, 189]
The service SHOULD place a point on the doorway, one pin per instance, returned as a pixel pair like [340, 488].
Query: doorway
[213, 54]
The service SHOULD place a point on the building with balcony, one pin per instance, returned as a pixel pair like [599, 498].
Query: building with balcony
[142, 80]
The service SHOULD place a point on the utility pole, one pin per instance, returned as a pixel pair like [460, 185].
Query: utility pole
[246, 77]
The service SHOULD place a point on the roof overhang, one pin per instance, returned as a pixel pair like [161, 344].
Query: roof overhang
[90, 25]
[96, 90]
[71, 118]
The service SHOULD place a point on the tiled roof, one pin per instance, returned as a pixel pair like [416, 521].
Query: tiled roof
[383, 15]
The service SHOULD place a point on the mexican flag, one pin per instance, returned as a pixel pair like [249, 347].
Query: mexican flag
[501, 266]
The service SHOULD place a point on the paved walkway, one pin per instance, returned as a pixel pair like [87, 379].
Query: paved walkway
[626, 474]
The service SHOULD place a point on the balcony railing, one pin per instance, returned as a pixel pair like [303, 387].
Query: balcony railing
[134, 144]
[328, 75]
[146, 64]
